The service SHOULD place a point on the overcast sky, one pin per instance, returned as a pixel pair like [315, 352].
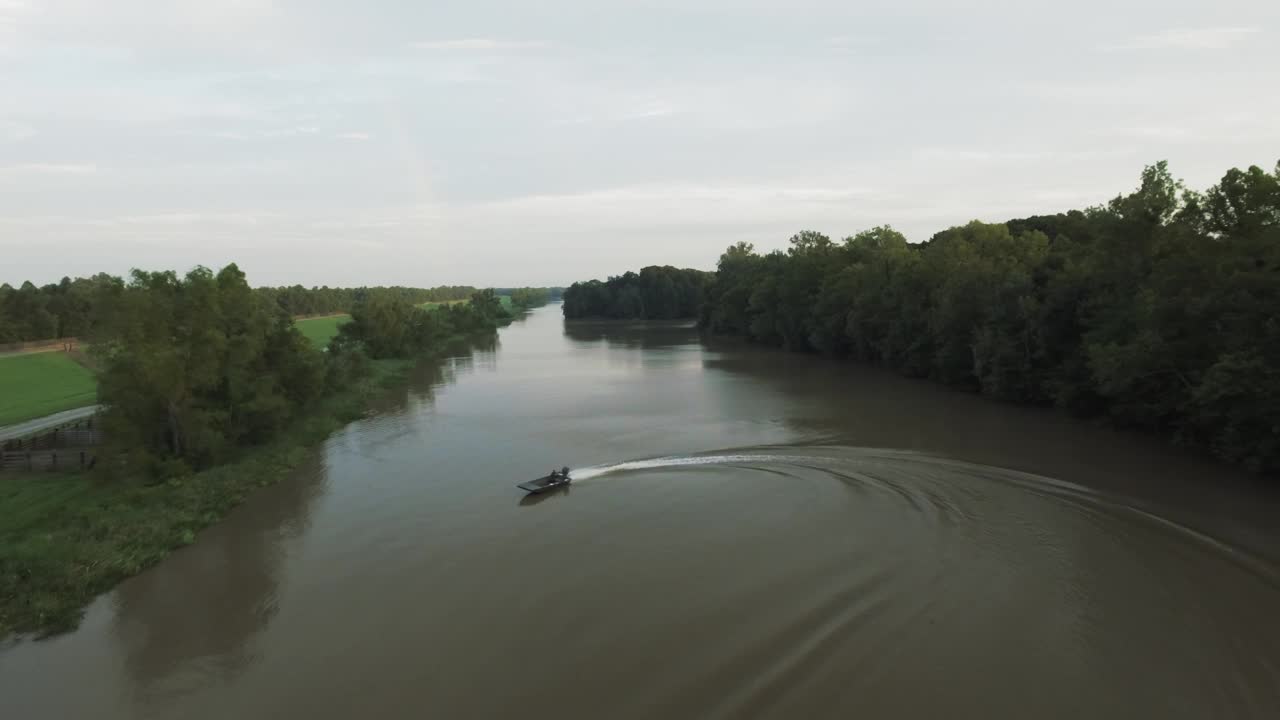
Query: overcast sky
[422, 142]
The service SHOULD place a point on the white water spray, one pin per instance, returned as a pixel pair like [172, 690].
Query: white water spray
[596, 471]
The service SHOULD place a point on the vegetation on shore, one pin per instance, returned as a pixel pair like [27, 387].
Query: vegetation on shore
[552, 293]
[56, 382]
[73, 308]
[1158, 310]
[210, 391]
[194, 367]
[528, 298]
[320, 330]
[655, 293]
[33, 385]
[297, 300]
[65, 538]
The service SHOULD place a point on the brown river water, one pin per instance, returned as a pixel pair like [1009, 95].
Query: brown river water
[750, 534]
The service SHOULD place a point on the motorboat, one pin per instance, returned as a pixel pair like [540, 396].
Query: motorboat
[551, 481]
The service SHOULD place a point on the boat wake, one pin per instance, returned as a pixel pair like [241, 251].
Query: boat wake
[598, 471]
[858, 550]
[948, 490]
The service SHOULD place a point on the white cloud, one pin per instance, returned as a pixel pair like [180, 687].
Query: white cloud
[968, 155]
[654, 110]
[47, 169]
[450, 135]
[687, 204]
[1189, 39]
[479, 45]
[11, 12]
[16, 132]
[268, 134]
[1155, 132]
[850, 44]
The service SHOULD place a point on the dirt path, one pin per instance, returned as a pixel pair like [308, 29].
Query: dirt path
[30, 427]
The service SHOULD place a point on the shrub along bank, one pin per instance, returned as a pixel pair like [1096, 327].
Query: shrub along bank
[211, 391]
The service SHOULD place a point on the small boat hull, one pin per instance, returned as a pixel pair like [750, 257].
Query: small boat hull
[544, 484]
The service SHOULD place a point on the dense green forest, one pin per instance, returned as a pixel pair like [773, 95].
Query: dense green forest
[298, 300]
[195, 366]
[210, 388]
[529, 298]
[1159, 309]
[553, 293]
[384, 326]
[67, 308]
[656, 293]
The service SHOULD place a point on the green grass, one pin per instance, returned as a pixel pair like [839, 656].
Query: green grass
[429, 305]
[37, 384]
[322, 329]
[65, 538]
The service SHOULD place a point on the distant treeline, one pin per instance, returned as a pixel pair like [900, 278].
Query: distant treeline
[386, 326]
[656, 293]
[299, 300]
[553, 293]
[1160, 309]
[67, 308]
[528, 298]
[195, 366]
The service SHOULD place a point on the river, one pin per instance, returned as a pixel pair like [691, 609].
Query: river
[750, 534]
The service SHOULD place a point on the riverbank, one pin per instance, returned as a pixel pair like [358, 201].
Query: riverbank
[66, 538]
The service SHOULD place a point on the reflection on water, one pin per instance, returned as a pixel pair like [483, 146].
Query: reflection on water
[536, 499]
[205, 607]
[749, 534]
[847, 403]
[636, 335]
[457, 359]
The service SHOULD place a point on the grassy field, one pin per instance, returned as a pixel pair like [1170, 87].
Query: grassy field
[36, 384]
[322, 329]
[429, 305]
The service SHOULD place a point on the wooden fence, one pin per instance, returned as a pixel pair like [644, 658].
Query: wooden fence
[71, 447]
[49, 460]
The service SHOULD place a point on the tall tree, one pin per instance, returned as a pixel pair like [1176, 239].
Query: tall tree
[1157, 309]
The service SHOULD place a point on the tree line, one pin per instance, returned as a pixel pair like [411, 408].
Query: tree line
[298, 300]
[529, 297]
[1159, 309]
[193, 367]
[655, 293]
[552, 293]
[64, 309]
[385, 326]
[67, 308]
